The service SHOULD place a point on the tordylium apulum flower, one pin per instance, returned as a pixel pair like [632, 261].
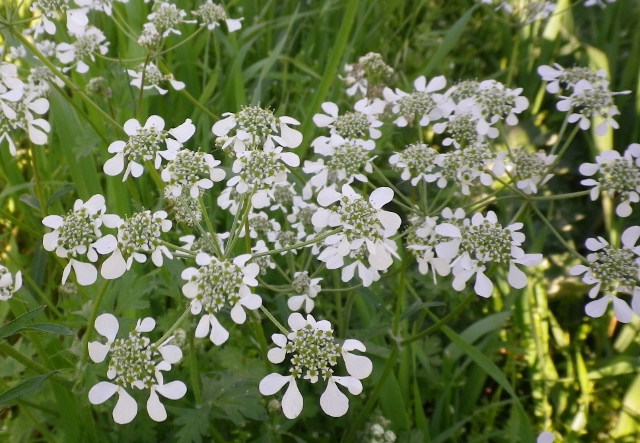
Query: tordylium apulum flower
[366, 229]
[144, 144]
[481, 240]
[218, 283]
[314, 354]
[78, 233]
[612, 270]
[616, 174]
[137, 363]
[8, 283]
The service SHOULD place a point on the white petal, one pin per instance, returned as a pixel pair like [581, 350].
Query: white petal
[328, 196]
[351, 383]
[174, 390]
[292, 401]
[102, 392]
[219, 334]
[272, 383]
[380, 197]
[296, 321]
[107, 325]
[126, 408]
[146, 325]
[333, 402]
[358, 366]
[622, 310]
[276, 355]
[171, 353]
[517, 278]
[237, 314]
[546, 436]
[86, 273]
[114, 266]
[483, 286]
[596, 308]
[203, 326]
[155, 408]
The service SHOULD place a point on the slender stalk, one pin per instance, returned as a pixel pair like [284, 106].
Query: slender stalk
[174, 326]
[274, 321]
[299, 245]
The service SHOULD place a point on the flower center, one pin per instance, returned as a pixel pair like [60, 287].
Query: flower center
[615, 267]
[219, 283]
[620, 175]
[256, 120]
[140, 233]
[314, 352]
[132, 361]
[77, 229]
[351, 125]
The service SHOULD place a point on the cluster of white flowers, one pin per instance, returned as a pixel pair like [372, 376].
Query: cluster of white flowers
[364, 239]
[368, 77]
[590, 95]
[613, 270]
[19, 102]
[616, 175]
[314, 353]
[144, 145]
[218, 283]
[78, 234]
[481, 240]
[152, 76]
[137, 363]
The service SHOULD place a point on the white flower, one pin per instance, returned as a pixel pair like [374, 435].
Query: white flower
[99, 5]
[138, 235]
[423, 104]
[366, 229]
[259, 171]
[479, 241]
[591, 100]
[616, 175]
[546, 436]
[153, 77]
[144, 145]
[421, 242]
[348, 160]
[192, 171]
[219, 283]
[87, 42]
[9, 285]
[75, 235]
[531, 168]
[568, 76]
[211, 14]
[612, 270]
[314, 354]
[416, 162]
[360, 124]
[368, 76]
[255, 126]
[167, 17]
[135, 363]
[308, 288]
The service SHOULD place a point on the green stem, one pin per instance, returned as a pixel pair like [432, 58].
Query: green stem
[9, 351]
[299, 245]
[557, 234]
[442, 322]
[274, 321]
[174, 326]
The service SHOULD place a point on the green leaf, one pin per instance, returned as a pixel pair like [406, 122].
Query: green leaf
[24, 388]
[31, 201]
[49, 328]
[60, 193]
[526, 430]
[416, 306]
[16, 325]
[194, 423]
[449, 42]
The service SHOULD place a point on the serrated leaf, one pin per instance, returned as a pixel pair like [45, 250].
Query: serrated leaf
[194, 424]
[49, 328]
[24, 388]
[16, 325]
